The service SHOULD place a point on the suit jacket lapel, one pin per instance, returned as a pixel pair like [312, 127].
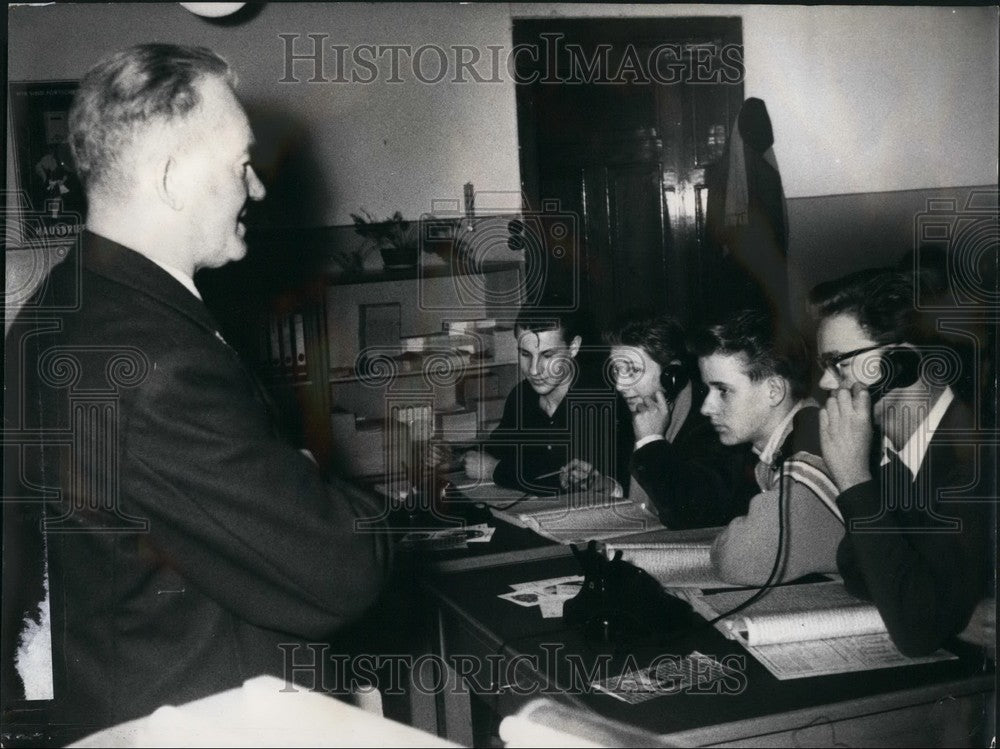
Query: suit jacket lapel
[950, 442]
[126, 266]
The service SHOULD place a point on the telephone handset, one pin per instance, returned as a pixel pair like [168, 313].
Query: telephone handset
[673, 378]
[898, 368]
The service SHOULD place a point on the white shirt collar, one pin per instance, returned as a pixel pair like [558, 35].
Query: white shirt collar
[915, 450]
[682, 407]
[781, 432]
[183, 278]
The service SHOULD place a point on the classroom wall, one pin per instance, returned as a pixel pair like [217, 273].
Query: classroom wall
[864, 100]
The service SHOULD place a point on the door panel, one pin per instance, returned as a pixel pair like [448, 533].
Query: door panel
[630, 158]
[638, 231]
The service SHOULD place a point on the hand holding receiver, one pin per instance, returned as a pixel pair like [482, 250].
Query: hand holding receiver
[652, 415]
[845, 431]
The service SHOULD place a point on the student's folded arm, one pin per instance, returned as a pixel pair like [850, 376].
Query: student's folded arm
[925, 584]
[241, 514]
[690, 488]
[743, 554]
[746, 550]
[506, 473]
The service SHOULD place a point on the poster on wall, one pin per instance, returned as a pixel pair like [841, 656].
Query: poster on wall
[50, 195]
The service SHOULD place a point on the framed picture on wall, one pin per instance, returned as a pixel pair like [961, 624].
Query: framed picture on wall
[50, 196]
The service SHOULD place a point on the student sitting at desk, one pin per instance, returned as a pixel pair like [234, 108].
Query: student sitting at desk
[918, 506]
[756, 394]
[563, 426]
[692, 479]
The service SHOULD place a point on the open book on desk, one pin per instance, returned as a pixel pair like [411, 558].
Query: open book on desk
[578, 517]
[472, 490]
[487, 492]
[809, 629]
[678, 560]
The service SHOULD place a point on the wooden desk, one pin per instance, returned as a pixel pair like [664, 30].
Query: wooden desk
[947, 703]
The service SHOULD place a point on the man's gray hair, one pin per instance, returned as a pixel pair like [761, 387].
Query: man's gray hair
[129, 90]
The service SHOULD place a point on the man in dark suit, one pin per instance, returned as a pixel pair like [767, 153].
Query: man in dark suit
[692, 479]
[185, 547]
[917, 484]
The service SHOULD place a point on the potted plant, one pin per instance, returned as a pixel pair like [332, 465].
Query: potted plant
[395, 238]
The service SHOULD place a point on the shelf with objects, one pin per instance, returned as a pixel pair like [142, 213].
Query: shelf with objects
[438, 345]
[337, 338]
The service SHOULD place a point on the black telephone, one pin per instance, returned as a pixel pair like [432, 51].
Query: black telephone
[898, 368]
[620, 603]
[673, 378]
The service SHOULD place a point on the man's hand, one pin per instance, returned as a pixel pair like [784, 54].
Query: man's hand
[845, 433]
[652, 416]
[577, 474]
[479, 465]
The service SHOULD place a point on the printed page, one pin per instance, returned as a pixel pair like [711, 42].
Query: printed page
[787, 606]
[837, 655]
[488, 492]
[811, 629]
[517, 509]
[514, 506]
[767, 629]
[579, 524]
[528, 512]
[680, 565]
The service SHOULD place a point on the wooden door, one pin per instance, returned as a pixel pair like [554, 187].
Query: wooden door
[627, 152]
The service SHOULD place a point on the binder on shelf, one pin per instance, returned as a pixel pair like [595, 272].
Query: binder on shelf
[274, 341]
[300, 345]
[287, 344]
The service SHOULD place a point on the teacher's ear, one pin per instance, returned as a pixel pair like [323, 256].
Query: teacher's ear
[169, 182]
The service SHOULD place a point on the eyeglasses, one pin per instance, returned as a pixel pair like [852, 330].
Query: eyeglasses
[831, 362]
